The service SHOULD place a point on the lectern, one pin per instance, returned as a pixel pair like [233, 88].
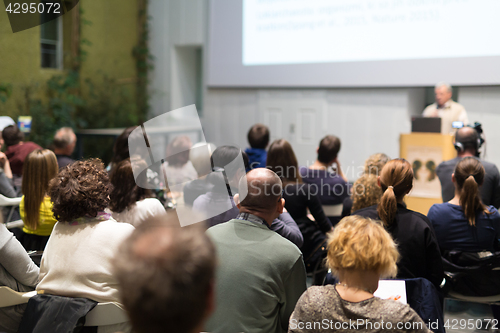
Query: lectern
[425, 151]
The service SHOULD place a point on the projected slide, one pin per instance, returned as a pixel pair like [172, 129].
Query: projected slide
[279, 32]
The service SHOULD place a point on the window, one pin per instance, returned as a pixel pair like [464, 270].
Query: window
[51, 41]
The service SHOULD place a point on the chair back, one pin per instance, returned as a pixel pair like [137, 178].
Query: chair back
[106, 314]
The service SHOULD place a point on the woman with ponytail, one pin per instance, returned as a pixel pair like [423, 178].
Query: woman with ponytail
[464, 223]
[412, 231]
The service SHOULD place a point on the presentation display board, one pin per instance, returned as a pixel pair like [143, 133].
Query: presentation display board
[353, 43]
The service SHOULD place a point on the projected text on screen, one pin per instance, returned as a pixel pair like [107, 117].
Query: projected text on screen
[318, 31]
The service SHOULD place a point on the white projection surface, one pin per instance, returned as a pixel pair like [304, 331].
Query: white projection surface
[353, 43]
[310, 31]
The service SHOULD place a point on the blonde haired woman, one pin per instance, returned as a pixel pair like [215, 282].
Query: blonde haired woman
[40, 166]
[419, 249]
[360, 252]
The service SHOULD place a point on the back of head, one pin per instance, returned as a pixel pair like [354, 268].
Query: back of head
[469, 175]
[121, 147]
[166, 273]
[125, 191]
[467, 140]
[80, 189]
[200, 155]
[64, 137]
[328, 149]
[258, 136]
[375, 163]
[40, 166]
[12, 135]
[178, 151]
[282, 160]
[263, 190]
[221, 157]
[365, 192]
[396, 180]
[362, 244]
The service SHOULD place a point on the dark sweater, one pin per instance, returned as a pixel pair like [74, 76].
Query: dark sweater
[417, 244]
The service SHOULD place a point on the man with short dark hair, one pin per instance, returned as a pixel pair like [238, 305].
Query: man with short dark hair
[467, 142]
[17, 150]
[64, 145]
[166, 276]
[331, 185]
[258, 138]
[261, 275]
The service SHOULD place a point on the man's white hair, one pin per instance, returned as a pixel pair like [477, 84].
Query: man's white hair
[444, 84]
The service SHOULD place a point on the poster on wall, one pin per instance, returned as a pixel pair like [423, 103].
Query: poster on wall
[424, 161]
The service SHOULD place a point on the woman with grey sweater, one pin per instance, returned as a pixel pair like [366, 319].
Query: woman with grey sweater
[18, 272]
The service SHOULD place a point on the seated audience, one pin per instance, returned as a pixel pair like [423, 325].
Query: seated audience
[332, 187]
[258, 139]
[299, 198]
[77, 261]
[64, 145]
[129, 202]
[19, 273]
[179, 169]
[360, 252]
[420, 255]
[17, 150]
[260, 275]
[373, 166]
[167, 274]
[36, 207]
[221, 194]
[464, 223]
[120, 148]
[199, 155]
[467, 144]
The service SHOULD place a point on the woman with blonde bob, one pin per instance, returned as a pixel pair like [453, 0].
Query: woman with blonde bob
[418, 246]
[360, 252]
[40, 166]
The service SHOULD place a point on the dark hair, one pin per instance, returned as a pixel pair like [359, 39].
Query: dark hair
[166, 273]
[281, 159]
[12, 135]
[396, 179]
[469, 175]
[178, 151]
[328, 149]
[80, 189]
[120, 149]
[221, 157]
[125, 191]
[258, 136]
[469, 139]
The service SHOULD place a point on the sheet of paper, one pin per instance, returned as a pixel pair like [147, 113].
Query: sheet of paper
[395, 289]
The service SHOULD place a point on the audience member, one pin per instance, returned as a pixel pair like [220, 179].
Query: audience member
[17, 150]
[467, 143]
[261, 275]
[129, 202]
[445, 108]
[19, 273]
[221, 194]
[332, 187]
[64, 145]
[464, 223]
[199, 155]
[6, 178]
[366, 193]
[35, 208]
[420, 256]
[167, 276]
[299, 198]
[179, 169]
[258, 139]
[360, 252]
[77, 261]
[120, 148]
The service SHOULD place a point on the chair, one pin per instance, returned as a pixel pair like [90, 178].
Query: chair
[106, 314]
[333, 210]
[6, 202]
[9, 297]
